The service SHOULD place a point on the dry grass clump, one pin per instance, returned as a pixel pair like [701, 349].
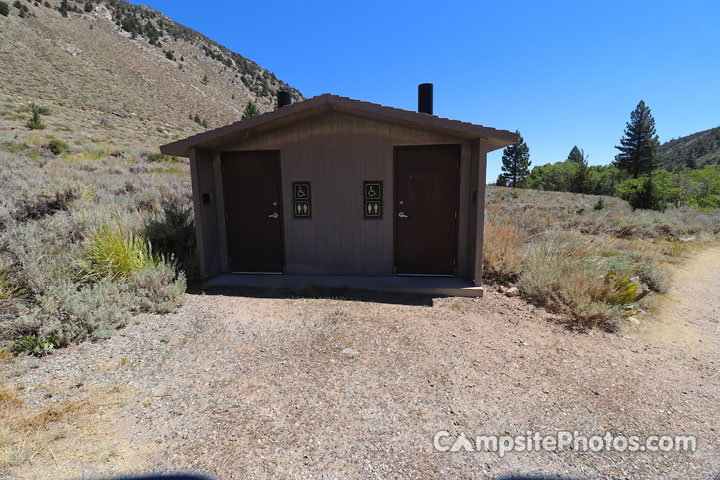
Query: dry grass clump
[502, 246]
[8, 291]
[45, 435]
[593, 264]
[567, 273]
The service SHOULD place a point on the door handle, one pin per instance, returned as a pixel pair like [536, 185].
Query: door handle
[273, 215]
[402, 215]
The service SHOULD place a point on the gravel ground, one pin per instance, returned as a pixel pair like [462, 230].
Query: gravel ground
[259, 385]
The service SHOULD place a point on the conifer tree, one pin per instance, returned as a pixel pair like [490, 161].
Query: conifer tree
[35, 122]
[251, 110]
[576, 155]
[580, 179]
[516, 162]
[639, 145]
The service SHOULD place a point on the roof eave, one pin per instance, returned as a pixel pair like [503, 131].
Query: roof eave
[277, 119]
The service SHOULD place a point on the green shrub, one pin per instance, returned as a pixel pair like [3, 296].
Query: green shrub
[622, 291]
[48, 199]
[23, 9]
[114, 253]
[69, 313]
[157, 289]
[32, 345]
[54, 286]
[88, 7]
[4, 9]
[642, 193]
[172, 234]
[35, 122]
[159, 157]
[57, 147]
[600, 204]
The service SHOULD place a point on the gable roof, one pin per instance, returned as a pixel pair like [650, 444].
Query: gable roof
[322, 103]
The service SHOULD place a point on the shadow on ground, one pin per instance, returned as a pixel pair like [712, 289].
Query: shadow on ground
[346, 294]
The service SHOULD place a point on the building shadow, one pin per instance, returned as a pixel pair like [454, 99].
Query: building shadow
[314, 292]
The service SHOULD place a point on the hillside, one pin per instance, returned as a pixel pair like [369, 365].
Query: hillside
[119, 73]
[698, 150]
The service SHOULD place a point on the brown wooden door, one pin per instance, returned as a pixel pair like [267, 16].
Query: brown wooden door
[426, 199]
[251, 186]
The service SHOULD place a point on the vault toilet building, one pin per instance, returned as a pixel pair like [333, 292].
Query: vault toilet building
[339, 192]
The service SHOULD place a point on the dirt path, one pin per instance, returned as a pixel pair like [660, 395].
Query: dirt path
[689, 314]
[240, 386]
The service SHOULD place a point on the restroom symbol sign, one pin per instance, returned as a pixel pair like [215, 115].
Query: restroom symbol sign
[372, 199]
[373, 190]
[301, 191]
[373, 209]
[302, 209]
[302, 194]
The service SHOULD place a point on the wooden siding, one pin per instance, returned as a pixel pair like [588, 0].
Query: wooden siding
[206, 223]
[336, 152]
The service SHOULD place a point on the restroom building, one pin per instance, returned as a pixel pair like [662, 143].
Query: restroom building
[332, 188]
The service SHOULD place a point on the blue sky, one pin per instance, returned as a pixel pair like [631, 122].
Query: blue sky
[563, 73]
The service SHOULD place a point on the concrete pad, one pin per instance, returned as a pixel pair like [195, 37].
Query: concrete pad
[441, 286]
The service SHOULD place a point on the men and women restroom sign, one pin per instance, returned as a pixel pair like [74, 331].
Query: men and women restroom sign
[372, 199]
[301, 200]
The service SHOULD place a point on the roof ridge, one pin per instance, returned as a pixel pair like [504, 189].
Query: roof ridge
[429, 121]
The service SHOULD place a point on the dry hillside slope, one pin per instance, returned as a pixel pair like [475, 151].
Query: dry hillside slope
[697, 150]
[100, 83]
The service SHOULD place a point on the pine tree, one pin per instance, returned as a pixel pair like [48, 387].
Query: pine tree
[251, 110]
[516, 162]
[580, 179]
[35, 122]
[576, 155]
[639, 145]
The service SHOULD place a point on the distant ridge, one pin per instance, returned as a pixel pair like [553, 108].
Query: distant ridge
[111, 70]
[698, 150]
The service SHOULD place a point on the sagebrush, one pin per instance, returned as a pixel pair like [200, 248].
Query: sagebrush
[86, 240]
[595, 259]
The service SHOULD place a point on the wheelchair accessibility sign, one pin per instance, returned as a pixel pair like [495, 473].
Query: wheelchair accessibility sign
[301, 200]
[372, 199]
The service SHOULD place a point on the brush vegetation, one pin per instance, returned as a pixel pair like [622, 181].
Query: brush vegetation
[595, 259]
[85, 241]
